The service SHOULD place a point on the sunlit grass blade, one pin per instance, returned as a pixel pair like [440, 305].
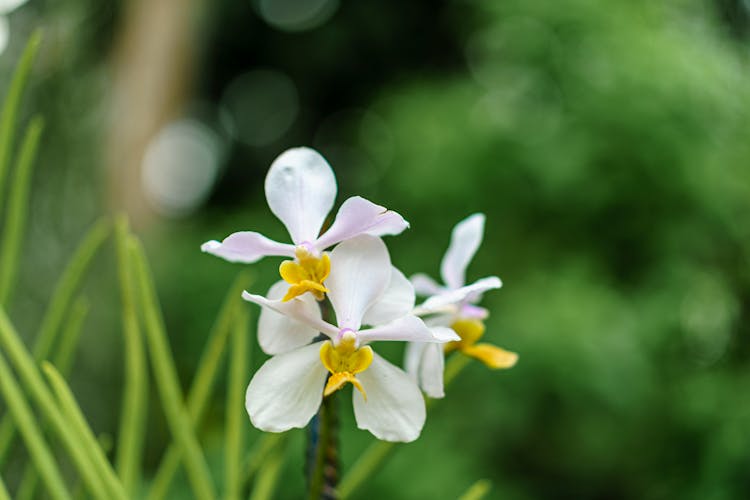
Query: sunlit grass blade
[86, 439]
[135, 395]
[31, 433]
[165, 375]
[268, 475]
[67, 286]
[373, 457]
[258, 455]
[17, 209]
[11, 105]
[200, 390]
[477, 491]
[235, 405]
[63, 358]
[36, 388]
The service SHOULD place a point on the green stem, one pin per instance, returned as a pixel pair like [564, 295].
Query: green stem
[323, 436]
[373, 457]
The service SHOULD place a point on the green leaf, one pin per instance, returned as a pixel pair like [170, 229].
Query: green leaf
[15, 217]
[135, 395]
[235, 405]
[55, 313]
[167, 382]
[32, 379]
[205, 374]
[12, 103]
[86, 439]
[31, 434]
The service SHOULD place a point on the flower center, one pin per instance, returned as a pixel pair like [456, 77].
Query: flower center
[344, 361]
[305, 274]
[471, 330]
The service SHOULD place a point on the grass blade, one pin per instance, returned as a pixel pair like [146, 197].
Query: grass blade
[32, 379]
[235, 408]
[63, 359]
[268, 476]
[257, 456]
[167, 383]
[135, 395]
[86, 439]
[4, 495]
[30, 431]
[15, 217]
[55, 314]
[477, 491]
[200, 389]
[12, 103]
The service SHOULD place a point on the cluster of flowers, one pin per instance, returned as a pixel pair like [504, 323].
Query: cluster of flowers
[314, 355]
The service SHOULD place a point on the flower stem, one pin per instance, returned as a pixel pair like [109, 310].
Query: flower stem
[322, 455]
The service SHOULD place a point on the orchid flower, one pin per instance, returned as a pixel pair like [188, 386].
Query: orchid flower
[454, 305]
[300, 190]
[363, 289]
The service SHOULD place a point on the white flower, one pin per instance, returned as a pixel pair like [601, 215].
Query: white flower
[453, 305]
[364, 289]
[301, 190]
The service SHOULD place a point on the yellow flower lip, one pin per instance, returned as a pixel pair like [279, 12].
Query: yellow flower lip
[344, 361]
[306, 273]
[471, 330]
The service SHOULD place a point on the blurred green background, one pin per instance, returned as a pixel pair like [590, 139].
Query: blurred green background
[608, 143]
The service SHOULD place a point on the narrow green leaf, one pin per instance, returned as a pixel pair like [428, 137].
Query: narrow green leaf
[31, 433]
[55, 313]
[268, 476]
[32, 379]
[63, 359]
[259, 453]
[18, 205]
[12, 103]
[477, 491]
[86, 439]
[4, 495]
[200, 390]
[235, 405]
[135, 395]
[167, 382]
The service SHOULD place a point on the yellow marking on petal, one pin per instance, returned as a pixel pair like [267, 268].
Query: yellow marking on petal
[470, 330]
[306, 274]
[492, 356]
[344, 362]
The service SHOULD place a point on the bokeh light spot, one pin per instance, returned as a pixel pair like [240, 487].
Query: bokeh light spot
[297, 15]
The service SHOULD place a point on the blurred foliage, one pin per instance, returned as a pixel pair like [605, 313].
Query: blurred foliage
[607, 142]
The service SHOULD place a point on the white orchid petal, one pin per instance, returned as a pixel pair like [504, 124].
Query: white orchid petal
[287, 390]
[431, 368]
[247, 247]
[360, 216]
[397, 301]
[425, 286]
[300, 189]
[279, 333]
[295, 309]
[360, 273]
[456, 297]
[394, 410]
[465, 240]
[408, 328]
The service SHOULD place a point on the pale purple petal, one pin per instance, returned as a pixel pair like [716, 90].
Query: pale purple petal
[395, 409]
[360, 273]
[424, 285]
[456, 297]
[287, 390]
[278, 333]
[465, 240]
[409, 329]
[360, 216]
[301, 189]
[397, 301]
[247, 247]
[295, 309]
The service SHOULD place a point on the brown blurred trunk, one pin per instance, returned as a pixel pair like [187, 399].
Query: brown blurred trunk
[152, 74]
